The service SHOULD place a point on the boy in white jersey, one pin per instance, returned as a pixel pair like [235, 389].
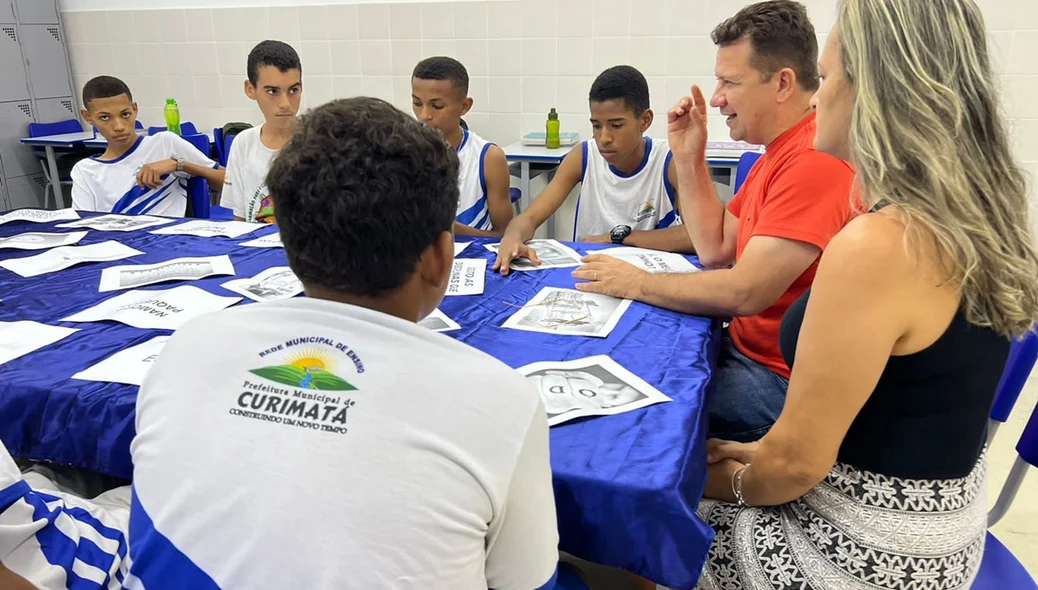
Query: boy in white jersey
[136, 175]
[440, 98]
[52, 540]
[628, 193]
[275, 82]
[330, 441]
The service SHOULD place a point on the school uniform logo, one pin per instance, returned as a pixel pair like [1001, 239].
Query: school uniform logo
[304, 368]
[647, 210]
[309, 369]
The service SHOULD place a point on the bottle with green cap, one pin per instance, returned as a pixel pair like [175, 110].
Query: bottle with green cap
[172, 116]
[551, 138]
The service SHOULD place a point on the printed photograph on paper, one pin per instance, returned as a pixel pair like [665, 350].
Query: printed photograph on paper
[567, 311]
[594, 386]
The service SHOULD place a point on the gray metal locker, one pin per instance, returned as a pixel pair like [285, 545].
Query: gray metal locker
[13, 85]
[52, 110]
[18, 159]
[37, 12]
[4, 205]
[6, 11]
[46, 59]
[25, 191]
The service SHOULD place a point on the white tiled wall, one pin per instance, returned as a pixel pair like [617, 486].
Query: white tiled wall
[524, 56]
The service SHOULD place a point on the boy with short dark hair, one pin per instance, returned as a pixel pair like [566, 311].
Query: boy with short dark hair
[439, 95]
[135, 175]
[275, 82]
[437, 453]
[628, 181]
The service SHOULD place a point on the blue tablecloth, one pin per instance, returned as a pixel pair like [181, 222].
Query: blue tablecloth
[626, 486]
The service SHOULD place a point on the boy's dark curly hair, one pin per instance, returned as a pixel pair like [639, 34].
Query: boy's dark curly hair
[361, 191]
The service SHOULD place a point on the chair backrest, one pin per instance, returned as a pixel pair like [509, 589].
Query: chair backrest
[1022, 356]
[227, 141]
[1027, 449]
[186, 128]
[746, 162]
[221, 157]
[58, 128]
[515, 194]
[197, 187]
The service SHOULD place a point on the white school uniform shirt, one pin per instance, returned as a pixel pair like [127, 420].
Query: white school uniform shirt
[111, 185]
[643, 199]
[473, 207]
[245, 190]
[56, 540]
[305, 443]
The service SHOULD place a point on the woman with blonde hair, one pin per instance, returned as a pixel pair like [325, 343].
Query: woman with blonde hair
[873, 476]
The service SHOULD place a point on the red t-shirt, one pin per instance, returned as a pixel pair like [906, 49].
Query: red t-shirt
[796, 193]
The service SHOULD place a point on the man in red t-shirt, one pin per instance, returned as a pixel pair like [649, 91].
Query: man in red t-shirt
[792, 203]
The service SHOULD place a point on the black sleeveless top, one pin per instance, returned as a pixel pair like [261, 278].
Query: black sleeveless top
[928, 416]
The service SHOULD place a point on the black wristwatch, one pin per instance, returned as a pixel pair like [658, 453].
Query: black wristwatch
[619, 233]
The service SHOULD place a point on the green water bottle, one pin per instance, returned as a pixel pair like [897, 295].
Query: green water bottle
[551, 138]
[172, 116]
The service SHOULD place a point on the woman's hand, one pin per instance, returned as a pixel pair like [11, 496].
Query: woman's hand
[719, 450]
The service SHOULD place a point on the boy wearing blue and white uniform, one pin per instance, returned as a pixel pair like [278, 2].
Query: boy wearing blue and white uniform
[329, 441]
[628, 194]
[136, 175]
[54, 540]
[439, 98]
[642, 200]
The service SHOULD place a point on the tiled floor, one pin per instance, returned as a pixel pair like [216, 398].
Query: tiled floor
[1018, 530]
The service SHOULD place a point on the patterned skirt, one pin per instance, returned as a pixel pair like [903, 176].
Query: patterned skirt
[855, 530]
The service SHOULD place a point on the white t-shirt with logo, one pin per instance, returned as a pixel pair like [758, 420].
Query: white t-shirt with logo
[643, 199]
[111, 185]
[245, 189]
[56, 540]
[311, 444]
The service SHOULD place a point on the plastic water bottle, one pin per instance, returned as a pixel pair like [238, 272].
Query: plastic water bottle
[172, 116]
[551, 138]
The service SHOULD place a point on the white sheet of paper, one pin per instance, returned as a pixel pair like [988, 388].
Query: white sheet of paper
[652, 261]
[22, 337]
[268, 241]
[41, 240]
[437, 321]
[179, 269]
[155, 310]
[208, 229]
[571, 312]
[126, 366]
[116, 222]
[459, 247]
[468, 277]
[66, 256]
[39, 215]
[553, 254]
[593, 386]
[272, 284]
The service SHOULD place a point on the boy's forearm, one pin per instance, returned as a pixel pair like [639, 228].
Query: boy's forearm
[701, 211]
[522, 227]
[215, 176]
[461, 229]
[669, 239]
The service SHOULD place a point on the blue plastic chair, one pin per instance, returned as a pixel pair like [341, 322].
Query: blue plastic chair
[221, 157]
[53, 185]
[999, 569]
[198, 187]
[746, 162]
[515, 194]
[227, 142]
[186, 128]
[1022, 356]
